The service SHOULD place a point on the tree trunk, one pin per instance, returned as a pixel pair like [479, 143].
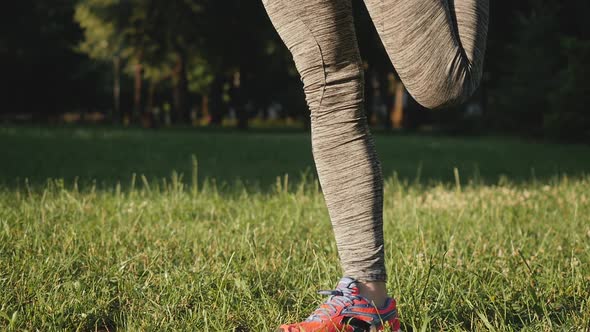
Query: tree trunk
[238, 101]
[180, 94]
[216, 107]
[205, 109]
[115, 115]
[386, 93]
[397, 114]
[148, 118]
[151, 96]
[484, 98]
[137, 92]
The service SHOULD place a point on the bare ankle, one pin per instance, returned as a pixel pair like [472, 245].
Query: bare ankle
[374, 291]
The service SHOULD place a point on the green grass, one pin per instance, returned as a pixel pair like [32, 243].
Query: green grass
[501, 249]
[257, 158]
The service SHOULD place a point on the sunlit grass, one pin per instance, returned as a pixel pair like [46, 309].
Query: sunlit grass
[503, 246]
[165, 256]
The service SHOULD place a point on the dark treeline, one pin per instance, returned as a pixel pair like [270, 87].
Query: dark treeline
[180, 61]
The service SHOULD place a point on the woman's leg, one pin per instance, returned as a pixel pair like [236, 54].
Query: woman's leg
[320, 35]
[436, 46]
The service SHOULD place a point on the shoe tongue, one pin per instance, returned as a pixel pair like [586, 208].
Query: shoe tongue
[348, 286]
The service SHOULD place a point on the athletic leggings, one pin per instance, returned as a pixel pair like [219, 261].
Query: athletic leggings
[437, 48]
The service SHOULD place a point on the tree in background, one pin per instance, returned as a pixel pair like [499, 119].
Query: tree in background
[532, 60]
[153, 38]
[542, 88]
[239, 41]
[102, 42]
[191, 52]
[114, 31]
[569, 114]
[570, 111]
[42, 74]
[198, 46]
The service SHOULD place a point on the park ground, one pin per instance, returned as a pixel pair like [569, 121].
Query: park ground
[214, 230]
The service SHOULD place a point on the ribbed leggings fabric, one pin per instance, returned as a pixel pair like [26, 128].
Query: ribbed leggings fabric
[437, 48]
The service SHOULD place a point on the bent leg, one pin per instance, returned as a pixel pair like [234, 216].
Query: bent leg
[320, 35]
[436, 46]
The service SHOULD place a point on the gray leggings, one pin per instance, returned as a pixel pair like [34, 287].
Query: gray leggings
[437, 48]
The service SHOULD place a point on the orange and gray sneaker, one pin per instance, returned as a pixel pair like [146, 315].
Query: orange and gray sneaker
[347, 311]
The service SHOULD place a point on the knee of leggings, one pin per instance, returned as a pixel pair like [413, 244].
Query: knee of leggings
[336, 95]
[452, 91]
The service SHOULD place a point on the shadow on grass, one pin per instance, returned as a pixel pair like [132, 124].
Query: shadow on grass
[107, 156]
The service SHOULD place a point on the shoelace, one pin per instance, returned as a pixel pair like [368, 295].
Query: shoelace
[337, 298]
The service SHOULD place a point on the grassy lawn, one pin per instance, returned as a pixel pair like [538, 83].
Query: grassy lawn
[503, 244]
[257, 158]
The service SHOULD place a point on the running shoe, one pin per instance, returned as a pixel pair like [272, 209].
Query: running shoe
[347, 311]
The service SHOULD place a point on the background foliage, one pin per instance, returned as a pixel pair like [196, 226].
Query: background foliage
[180, 55]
